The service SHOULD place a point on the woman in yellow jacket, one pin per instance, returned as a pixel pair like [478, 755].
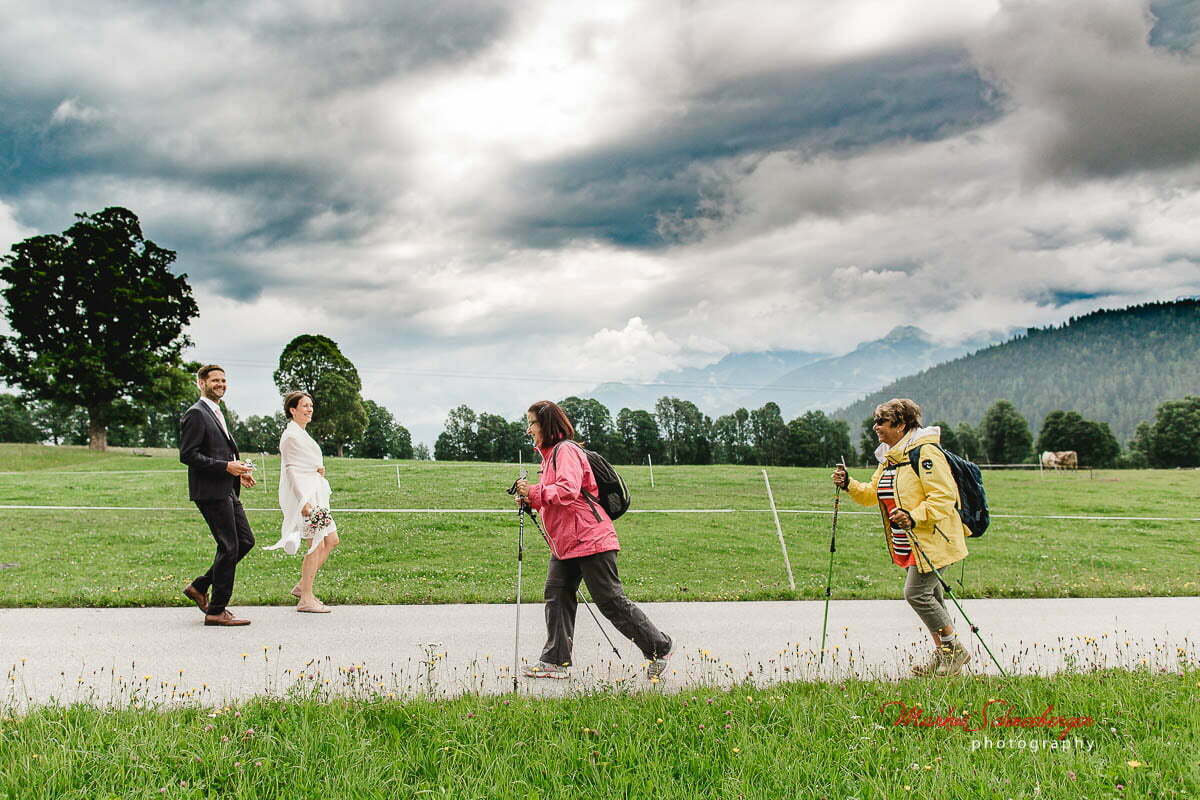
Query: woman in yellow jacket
[921, 525]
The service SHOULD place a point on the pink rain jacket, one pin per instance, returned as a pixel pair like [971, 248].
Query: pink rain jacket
[567, 516]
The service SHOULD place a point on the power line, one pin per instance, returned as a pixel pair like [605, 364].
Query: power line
[430, 373]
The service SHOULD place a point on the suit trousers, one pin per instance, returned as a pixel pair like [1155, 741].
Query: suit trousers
[227, 520]
[599, 572]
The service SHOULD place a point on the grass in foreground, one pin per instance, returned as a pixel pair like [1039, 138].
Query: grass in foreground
[130, 558]
[790, 740]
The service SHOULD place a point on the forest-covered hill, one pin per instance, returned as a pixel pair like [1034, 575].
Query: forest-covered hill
[1111, 366]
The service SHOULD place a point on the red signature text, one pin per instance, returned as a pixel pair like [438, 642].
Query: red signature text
[993, 714]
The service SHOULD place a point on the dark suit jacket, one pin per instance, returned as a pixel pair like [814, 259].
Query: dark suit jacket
[205, 448]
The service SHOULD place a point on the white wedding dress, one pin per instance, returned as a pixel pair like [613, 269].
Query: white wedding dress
[300, 483]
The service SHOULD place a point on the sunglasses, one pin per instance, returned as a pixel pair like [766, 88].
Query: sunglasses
[882, 421]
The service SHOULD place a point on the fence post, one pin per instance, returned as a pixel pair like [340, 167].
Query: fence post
[650, 461]
[779, 530]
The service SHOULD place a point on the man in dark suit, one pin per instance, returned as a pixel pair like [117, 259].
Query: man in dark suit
[216, 475]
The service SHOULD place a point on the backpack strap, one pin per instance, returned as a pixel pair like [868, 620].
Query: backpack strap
[586, 495]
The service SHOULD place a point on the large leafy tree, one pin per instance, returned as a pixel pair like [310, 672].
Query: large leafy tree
[342, 415]
[685, 430]
[815, 440]
[97, 316]
[456, 442]
[383, 437]
[315, 364]
[1174, 438]
[769, 433]
[731, 438]
[1006, 436]
[494, 440]
[592, 422]
[639, 436]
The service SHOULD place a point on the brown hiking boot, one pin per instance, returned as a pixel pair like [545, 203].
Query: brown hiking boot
[944, 661]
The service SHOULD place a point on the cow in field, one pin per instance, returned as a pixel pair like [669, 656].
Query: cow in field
[1062, 459]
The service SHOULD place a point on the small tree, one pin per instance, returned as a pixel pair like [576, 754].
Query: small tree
[949, 437]
[968, 440]
[260, 434]
[17, 424]
[1006, 436]
[97, 316]
[867, 441]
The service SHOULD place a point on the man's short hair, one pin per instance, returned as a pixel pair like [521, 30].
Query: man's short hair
[202, 373]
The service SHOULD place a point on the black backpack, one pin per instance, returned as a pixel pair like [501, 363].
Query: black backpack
[614, 494]
[972, 500]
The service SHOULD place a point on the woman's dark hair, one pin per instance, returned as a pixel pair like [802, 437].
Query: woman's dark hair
[291, 400]
[553, 422]
[900, 411]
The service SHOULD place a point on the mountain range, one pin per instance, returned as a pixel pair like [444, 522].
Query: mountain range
[1114, 366]
[797, 381]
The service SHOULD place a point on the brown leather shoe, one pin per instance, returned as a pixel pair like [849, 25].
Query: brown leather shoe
[225, 620]
[196, 596]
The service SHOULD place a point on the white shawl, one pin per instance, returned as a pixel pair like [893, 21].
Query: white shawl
[299, 483]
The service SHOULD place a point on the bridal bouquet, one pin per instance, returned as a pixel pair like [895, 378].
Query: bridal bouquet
[318, 518]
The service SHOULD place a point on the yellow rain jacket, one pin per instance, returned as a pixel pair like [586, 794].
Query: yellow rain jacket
[929, 495]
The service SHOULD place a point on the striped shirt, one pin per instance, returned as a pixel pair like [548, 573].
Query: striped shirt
[898, 541]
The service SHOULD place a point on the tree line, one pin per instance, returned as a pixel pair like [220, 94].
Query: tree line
[676, 432]
[1004, 437]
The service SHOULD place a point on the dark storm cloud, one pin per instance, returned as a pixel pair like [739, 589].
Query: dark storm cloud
[624, 192]
[279, 76]
[1098, 100]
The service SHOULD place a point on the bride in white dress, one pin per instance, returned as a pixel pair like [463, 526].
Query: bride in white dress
[302, 489]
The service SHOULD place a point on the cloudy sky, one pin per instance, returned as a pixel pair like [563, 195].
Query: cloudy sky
[492, 202]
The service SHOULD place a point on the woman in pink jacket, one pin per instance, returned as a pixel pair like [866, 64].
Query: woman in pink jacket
[583, 546]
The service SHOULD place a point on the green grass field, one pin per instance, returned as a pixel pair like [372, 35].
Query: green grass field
[815, 740]
[136, 557]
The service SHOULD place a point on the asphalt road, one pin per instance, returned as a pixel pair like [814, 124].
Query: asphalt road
[166, 654]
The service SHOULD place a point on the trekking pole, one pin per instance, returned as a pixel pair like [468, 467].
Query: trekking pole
[837, 501]
[538, 523]
[520, 564]
[948, 589]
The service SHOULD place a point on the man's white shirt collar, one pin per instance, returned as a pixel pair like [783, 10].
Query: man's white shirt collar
[216, 409]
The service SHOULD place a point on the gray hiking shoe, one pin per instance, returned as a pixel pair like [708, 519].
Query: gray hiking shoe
[944, 661]
[543, 669]
[656, 668]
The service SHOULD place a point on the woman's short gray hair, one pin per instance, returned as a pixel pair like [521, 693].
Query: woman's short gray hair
[901, 411]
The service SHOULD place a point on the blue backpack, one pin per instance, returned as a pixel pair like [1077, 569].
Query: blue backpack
[972, 500]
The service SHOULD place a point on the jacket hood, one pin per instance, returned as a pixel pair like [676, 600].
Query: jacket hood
[918, 436]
